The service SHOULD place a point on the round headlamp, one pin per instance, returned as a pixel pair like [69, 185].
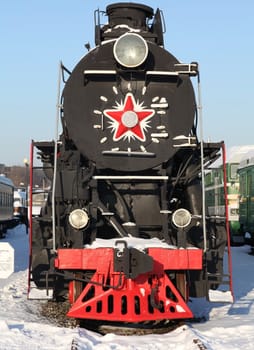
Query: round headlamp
[130, 50]
[181, 218]
[78, 219]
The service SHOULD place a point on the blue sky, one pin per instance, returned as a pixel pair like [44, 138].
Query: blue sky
[35, 35]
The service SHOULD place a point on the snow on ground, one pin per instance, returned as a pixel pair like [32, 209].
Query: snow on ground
[228, 326]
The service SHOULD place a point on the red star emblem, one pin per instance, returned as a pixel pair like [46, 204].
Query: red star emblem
[129, 119]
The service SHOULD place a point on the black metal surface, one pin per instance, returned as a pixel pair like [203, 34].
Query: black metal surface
[83, 95]
[132, 262]
[145, 175]
[131, 14]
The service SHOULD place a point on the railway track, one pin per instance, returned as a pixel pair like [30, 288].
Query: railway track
[195, 342]
[200, 344]
[75, 344]
[56, 313]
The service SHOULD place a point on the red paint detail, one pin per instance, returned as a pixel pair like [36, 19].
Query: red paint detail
[116, 116]
[97, 259]
[129, 300]
[30, 214]
[230, 269]
[71, 292]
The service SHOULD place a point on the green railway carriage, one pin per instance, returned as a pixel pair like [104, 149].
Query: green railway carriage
[246, 203]
[6, 204]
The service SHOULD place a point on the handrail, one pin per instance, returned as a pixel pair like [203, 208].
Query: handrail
[227, 219]
[58, 106]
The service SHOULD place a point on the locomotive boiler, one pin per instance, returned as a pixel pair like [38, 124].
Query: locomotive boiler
[124, 233]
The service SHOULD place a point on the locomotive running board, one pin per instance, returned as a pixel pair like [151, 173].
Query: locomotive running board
[220, 296]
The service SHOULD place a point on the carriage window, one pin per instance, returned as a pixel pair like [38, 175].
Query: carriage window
[233, 171]
[234, 211]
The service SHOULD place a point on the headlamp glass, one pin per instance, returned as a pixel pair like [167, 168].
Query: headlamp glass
[130, 50]
[181, 218]
[78, 219]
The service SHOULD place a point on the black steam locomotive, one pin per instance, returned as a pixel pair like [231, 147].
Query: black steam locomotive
[124, 232]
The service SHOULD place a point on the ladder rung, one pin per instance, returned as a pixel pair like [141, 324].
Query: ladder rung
[216, 274]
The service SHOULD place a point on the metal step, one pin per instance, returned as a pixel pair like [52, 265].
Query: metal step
[220, 296]
[35, 293]
[218, 278]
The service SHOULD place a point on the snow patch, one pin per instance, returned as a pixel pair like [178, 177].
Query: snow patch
[228, 326]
